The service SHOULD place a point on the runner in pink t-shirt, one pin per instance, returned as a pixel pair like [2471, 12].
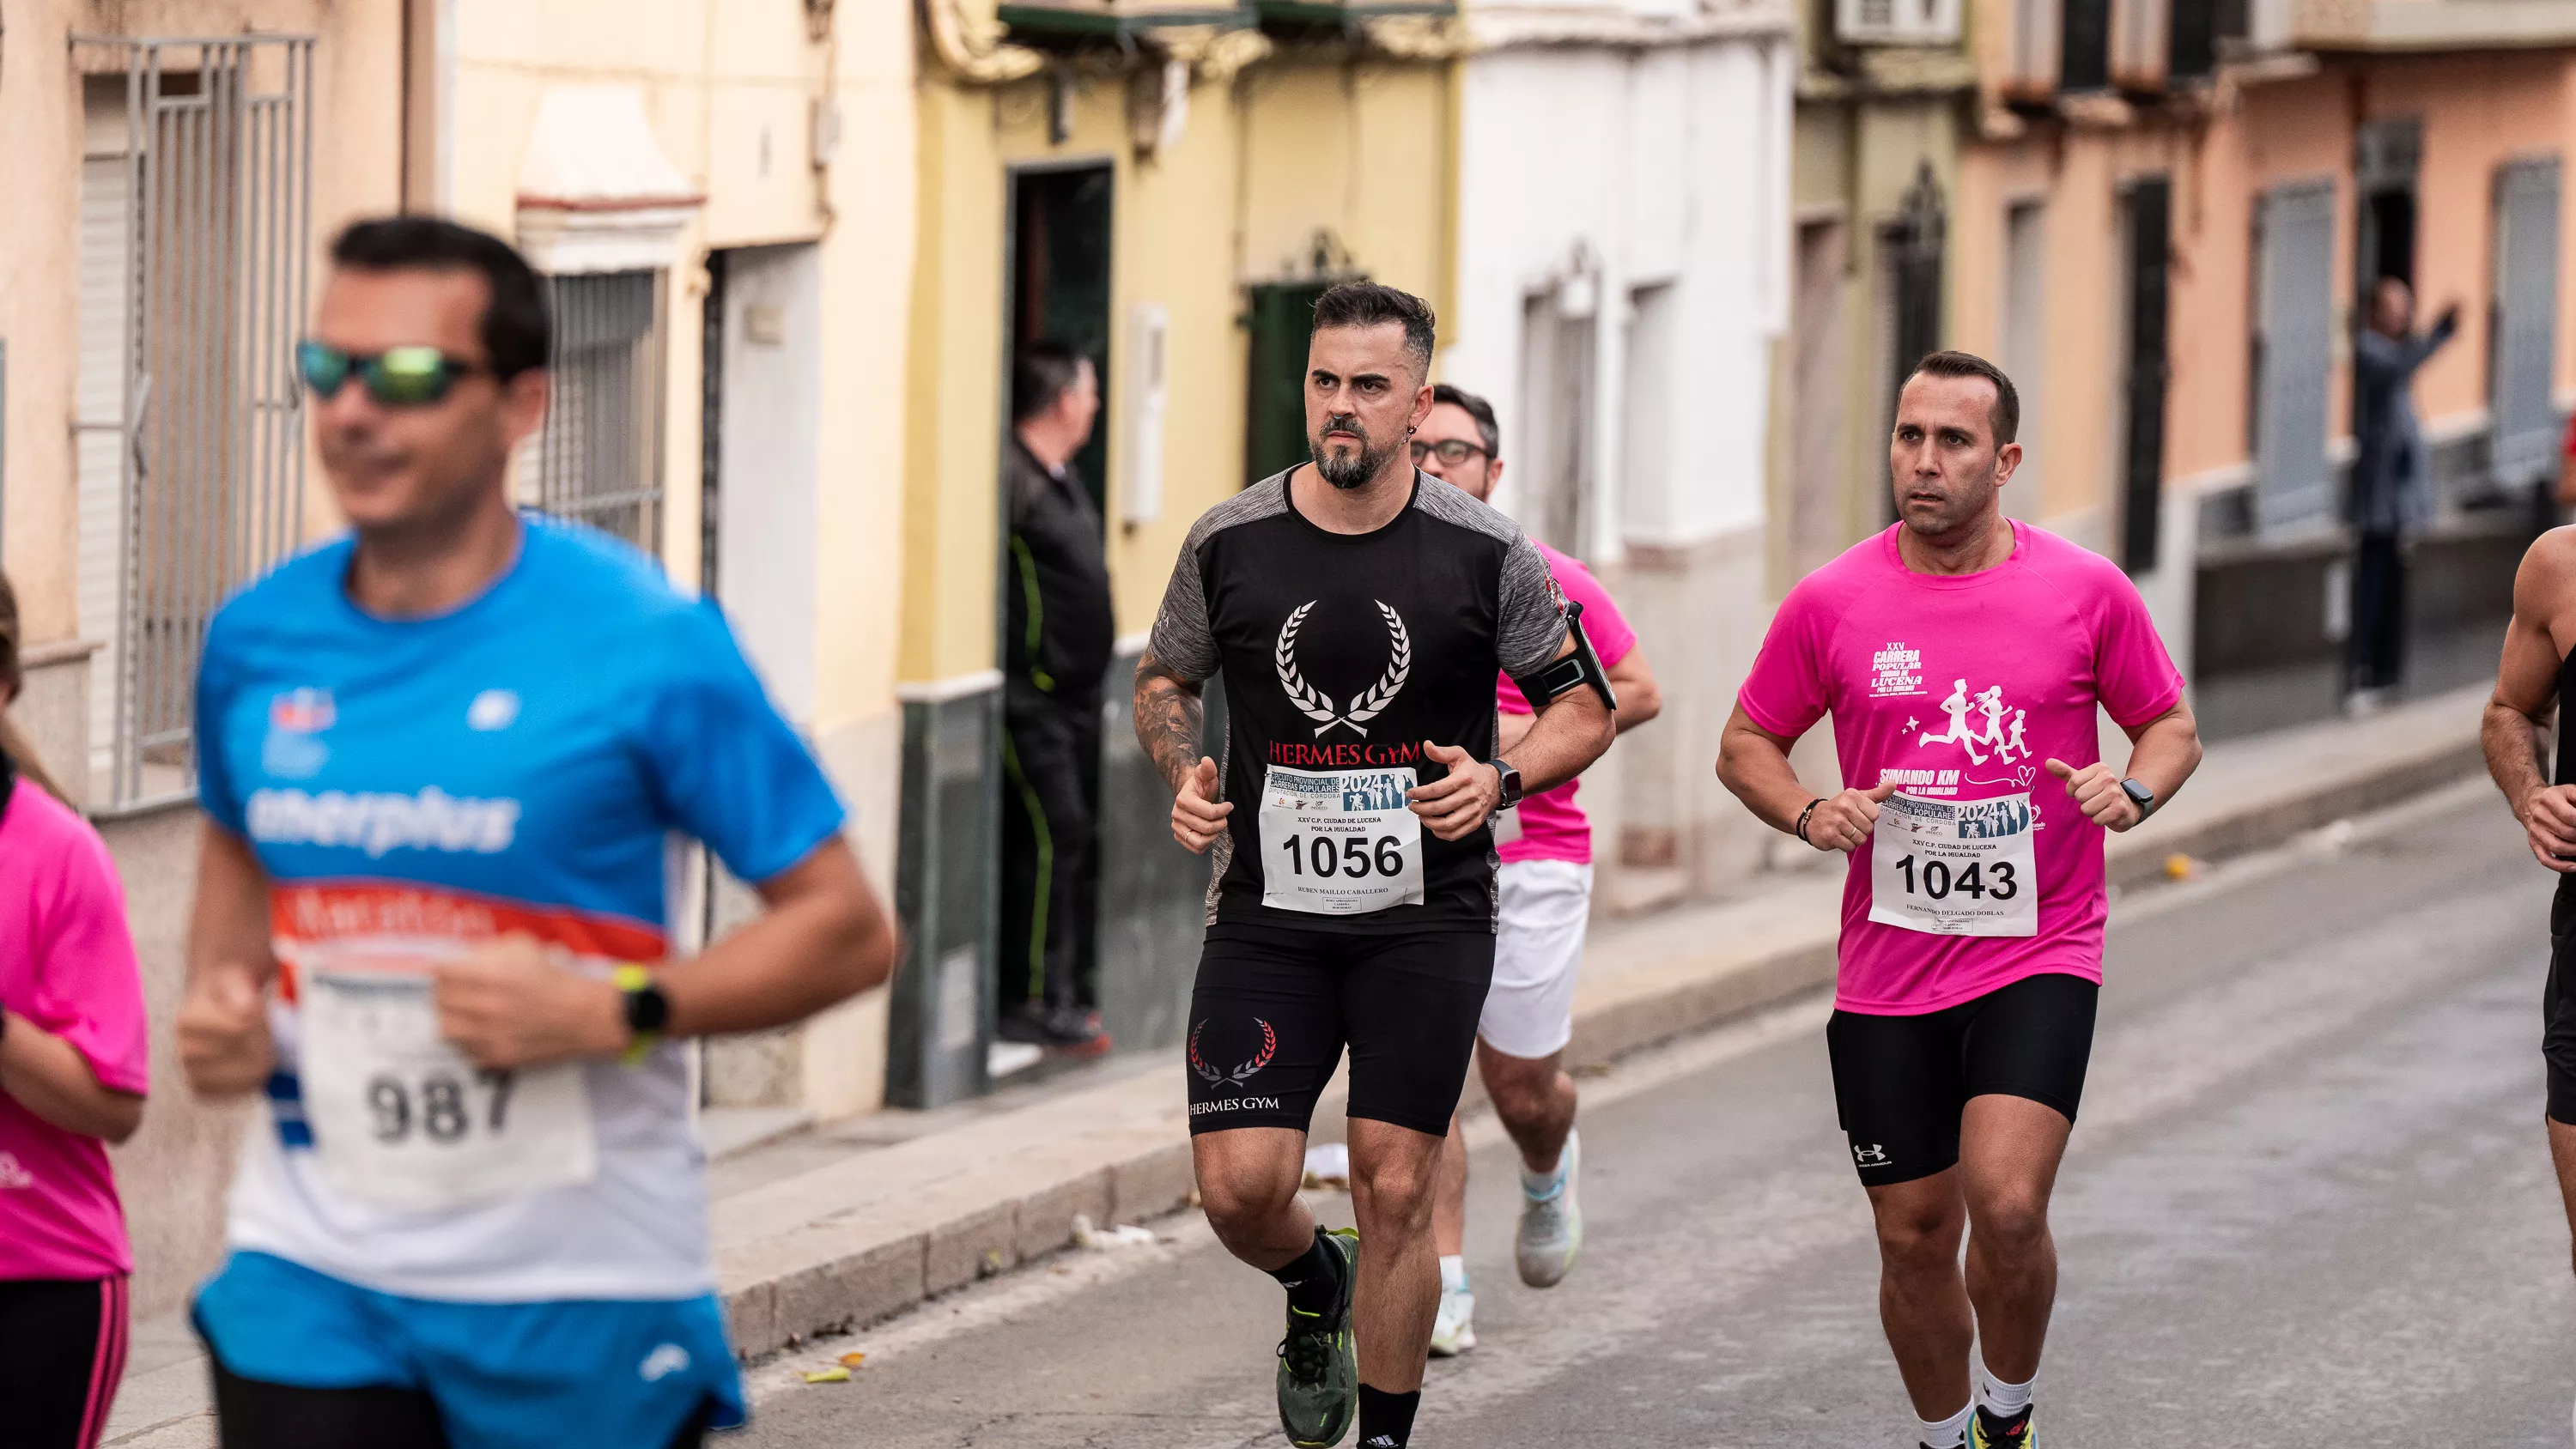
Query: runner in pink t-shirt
[1963, 658]
[1543, 902]
[73, 1061]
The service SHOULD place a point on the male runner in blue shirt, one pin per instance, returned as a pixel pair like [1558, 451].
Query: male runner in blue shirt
[442, 758]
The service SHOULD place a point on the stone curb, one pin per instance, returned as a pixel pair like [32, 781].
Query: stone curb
[852, 1269]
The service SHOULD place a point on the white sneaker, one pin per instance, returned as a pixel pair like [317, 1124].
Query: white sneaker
[1453, 1332]
[1551, 1230]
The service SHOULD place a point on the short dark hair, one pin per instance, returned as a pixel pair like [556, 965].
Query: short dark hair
[1477, 408]
[1371, 304]
[2006, 413]
[1044, 371]
[518, 328]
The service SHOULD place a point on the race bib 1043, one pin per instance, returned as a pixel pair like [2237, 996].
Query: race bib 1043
[401, 1118]
[1955, 867]
[1339, 842]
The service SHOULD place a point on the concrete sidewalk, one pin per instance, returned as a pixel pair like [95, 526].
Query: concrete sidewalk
[844, 1226]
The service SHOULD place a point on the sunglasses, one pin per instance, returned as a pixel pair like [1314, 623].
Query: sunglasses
[1453, 452]
[397, 376]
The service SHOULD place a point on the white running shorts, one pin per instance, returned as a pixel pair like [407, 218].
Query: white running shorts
[1538, 952]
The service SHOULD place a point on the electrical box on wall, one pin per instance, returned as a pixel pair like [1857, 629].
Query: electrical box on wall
[1144, 388]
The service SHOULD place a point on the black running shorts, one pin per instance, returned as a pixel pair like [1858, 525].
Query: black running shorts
[2558, 1006]
[1274, 1006]
[1901, 1082]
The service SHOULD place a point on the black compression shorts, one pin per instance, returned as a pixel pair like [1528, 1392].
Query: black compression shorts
[1274, 1006]
[1901, 1082]
[2558, 1006]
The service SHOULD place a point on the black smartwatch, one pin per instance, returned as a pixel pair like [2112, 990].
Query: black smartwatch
[1511, 783]
[648, 1011]
[2140, 796]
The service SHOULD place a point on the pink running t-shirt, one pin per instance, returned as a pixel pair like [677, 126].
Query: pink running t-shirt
[67, 965]
[1961, 687]
[1553, 827]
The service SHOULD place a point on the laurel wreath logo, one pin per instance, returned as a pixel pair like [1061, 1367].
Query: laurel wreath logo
[1242, 1074]
[1316, 705]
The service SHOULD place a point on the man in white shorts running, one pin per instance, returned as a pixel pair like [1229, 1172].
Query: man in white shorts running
[1545, 893]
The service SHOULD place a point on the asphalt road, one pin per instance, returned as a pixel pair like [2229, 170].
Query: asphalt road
[2308, 1204]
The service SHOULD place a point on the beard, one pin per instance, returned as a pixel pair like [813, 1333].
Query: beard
[1349, 470]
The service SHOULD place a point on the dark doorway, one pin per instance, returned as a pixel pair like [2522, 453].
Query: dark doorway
[2390, 227]
[1059, 280]
[2149, 221]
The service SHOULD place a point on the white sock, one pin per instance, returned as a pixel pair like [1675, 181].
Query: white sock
[1950, 1433]
[1453, 1274]
[2002, 1400]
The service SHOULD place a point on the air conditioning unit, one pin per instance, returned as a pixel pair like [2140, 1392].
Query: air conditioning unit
[1897, 22]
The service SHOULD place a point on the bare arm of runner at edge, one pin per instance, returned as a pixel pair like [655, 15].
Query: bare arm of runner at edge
[823, 938]
[2515, 729]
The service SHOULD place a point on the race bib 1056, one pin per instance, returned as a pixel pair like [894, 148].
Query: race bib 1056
[403, 1119]
[1339, 842]
[1955, 867]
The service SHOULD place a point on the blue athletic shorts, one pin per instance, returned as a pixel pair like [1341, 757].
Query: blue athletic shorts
[564, 1375]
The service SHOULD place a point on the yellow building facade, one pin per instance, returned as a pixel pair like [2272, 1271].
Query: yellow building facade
[1168, 205]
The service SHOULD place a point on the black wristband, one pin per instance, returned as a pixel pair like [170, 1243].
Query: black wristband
[1803, 816]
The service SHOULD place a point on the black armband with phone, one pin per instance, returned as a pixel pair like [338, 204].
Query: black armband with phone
[1569, 672]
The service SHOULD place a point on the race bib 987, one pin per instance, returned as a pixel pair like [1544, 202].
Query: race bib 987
[1955, 867]
[402, 1118]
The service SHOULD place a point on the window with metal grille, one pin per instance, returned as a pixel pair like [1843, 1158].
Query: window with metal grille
[194, 225]
[599, 458]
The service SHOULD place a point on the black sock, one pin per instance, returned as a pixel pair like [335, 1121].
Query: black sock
[1386, 1420]
[1314, 1281]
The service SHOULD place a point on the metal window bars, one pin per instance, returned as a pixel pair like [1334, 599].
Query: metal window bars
[217, 172]
[599, 459]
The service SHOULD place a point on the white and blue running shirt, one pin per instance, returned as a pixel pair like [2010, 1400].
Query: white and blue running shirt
[522, 764]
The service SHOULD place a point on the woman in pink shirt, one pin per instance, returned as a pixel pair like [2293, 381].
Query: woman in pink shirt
[73, 1058]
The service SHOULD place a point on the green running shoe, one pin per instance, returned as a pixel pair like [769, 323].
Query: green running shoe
[1319, 1368]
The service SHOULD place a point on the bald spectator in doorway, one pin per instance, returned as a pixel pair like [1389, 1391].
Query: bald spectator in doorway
[1058, 634]
[2392, 484]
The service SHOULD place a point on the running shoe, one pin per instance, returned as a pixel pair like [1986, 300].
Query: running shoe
[1319, 1366]
[1985, 1431]
[1551, 1230]
[1453, 1332]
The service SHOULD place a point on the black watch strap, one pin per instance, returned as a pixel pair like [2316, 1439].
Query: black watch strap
[2140, 796]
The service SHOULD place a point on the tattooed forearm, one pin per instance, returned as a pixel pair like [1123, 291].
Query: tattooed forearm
[1169, 712]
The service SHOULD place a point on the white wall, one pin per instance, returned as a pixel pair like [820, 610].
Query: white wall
[1666, 165]
[1657, 171]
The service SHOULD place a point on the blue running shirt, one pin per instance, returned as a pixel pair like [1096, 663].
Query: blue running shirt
[523, 764]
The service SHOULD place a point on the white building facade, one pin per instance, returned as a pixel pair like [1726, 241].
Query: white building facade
[1622, 237]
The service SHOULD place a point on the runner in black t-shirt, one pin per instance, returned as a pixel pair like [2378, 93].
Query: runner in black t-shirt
[1358, 611]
